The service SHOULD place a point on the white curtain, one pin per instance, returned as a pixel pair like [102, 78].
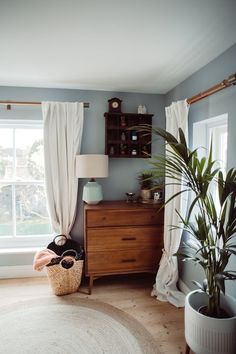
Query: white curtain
[167, 276]
[63, 126]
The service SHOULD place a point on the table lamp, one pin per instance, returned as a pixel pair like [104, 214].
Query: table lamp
[92, 166]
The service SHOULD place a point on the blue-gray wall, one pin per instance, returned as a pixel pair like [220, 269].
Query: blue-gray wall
[122, 172]
[221, 102]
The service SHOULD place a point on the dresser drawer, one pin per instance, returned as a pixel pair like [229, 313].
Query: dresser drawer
[123, 261]
[119, 218]
[114, 238]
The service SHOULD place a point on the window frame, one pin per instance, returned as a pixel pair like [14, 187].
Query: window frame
[203, 127]
[18, 241]
[202, 141]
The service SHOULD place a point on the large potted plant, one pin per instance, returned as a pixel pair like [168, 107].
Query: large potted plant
[210, 315]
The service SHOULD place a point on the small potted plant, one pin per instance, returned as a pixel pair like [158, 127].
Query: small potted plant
[146, 182]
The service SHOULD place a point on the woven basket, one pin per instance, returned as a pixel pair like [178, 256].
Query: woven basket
[63, 280]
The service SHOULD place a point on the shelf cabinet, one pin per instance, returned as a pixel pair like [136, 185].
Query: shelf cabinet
[121, 238]
[122, 140]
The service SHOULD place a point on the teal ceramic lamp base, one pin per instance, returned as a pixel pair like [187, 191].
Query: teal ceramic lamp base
[92, 193]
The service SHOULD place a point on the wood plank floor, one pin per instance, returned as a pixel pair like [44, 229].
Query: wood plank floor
[128, 293]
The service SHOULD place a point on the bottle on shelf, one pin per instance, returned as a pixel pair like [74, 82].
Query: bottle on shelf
[133, 152]
[123, 149]
[123, 136]
[112, 150]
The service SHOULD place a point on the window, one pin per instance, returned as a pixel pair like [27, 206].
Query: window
[216, 130]
[24, 219]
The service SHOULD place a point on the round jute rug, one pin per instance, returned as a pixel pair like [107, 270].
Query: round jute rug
[71, 325]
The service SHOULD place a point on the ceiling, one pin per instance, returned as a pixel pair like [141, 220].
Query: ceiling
[145, 46]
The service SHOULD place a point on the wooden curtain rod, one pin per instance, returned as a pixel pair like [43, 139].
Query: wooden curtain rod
[231, 80]
[19, 103]
[220, 86]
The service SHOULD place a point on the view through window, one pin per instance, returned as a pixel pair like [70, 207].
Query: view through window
[213, 130]
[23, 207]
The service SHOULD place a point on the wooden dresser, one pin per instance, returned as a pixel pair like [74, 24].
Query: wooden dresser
[121, 237]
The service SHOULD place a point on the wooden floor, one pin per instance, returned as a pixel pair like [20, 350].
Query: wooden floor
[128, 293]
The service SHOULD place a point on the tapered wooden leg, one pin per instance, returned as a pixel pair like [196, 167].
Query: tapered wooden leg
[187, 350]
[90, 284]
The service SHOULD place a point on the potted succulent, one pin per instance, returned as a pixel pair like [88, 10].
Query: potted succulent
[145, 179]
[210, 315]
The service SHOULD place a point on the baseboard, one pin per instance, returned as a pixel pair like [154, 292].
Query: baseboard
[183, 287]
[23, 271]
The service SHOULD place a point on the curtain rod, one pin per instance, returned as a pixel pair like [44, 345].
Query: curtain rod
[231, 80]
[19, 103]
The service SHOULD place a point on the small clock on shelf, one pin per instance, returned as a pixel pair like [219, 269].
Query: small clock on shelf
[114, 105]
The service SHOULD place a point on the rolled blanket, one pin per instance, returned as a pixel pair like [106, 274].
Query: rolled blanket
[42, 258]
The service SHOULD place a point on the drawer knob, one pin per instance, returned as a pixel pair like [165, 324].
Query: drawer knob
[132, 260]
[128, 238]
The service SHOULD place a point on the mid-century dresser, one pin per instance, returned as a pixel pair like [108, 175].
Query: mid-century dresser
[121, 237]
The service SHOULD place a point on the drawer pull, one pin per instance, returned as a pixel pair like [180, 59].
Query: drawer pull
[132, 260]
[128, 238]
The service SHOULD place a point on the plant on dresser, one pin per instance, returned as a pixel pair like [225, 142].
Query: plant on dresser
[121, 237]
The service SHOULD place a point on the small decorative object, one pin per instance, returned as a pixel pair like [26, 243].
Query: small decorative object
[142, 109]
[130, 197]
[122, 149]
[123, 136]
[112, 150]
[156, 196]
[122, 121]
[134, 152]
[144, 150]
[134, 136]
[114, 105]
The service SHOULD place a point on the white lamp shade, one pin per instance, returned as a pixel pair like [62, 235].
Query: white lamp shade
[91, 166]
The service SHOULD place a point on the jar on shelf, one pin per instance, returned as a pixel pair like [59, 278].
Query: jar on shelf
[134, 135]
[133, 152]
[142, 109]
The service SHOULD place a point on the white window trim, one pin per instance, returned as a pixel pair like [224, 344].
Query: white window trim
[7, 242]
[202, 135]
[203, 127]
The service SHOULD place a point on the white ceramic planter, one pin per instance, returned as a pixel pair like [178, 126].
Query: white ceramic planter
[207, 335]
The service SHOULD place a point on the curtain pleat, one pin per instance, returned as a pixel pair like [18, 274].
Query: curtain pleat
[167, 276]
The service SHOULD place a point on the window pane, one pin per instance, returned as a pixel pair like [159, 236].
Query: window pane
[6, 225]
[31, 212]
[29, 154]
[6, 153]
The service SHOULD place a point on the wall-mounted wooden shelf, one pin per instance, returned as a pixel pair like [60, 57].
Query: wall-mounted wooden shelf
[122, 140]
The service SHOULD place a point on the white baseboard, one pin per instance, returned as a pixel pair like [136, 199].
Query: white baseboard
[23, 271]
[183, 287]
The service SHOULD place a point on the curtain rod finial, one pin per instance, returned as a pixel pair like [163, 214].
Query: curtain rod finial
[232, 79]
